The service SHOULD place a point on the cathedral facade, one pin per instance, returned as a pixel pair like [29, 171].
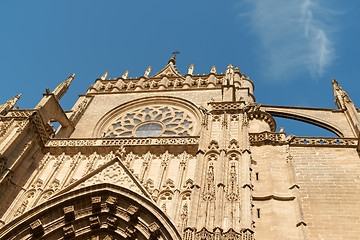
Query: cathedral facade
[172, 156]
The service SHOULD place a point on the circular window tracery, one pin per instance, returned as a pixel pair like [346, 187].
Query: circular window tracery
[151, 121]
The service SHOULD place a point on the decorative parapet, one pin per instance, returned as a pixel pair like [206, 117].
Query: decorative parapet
[274, 138]
[227, 106]
[280, 138]
[155, 84]
[109, 142]
[169, 78]
[217, 233]
[324, 141]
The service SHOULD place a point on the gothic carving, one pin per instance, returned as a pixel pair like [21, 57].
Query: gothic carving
[27, 199]
[165, 198]
[79, 111]
[111, 202]
[213, 145]
[169, 184]
[96, 203]
[112, 222]
[45, 196]
[152, 121]
[69, 231]
[275, 138]
[123, 141]
[324, 141]
[233, 144]
[113, 174]
[94, 222]
[189, 184]
[232, 187]
[69, 213]
[149, 185]
[37, 228]
[217, 234]
[209, 188]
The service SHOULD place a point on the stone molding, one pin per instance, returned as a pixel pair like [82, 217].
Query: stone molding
[109, 142]
[116, 211]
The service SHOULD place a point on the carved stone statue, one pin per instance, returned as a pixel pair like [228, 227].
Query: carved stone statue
[191, 69]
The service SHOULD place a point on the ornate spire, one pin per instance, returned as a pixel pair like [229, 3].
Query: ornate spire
[213, 69]
[341, 97]
[147, 72]
[9, 105]
[125, 75]
[104, 76]
[62, 88]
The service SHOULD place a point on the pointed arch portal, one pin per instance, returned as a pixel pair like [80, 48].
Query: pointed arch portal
[98, 212]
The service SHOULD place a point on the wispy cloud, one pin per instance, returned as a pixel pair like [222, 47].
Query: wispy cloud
[295, 36]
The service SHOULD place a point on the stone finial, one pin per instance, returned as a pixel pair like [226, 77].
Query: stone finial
[213, 69]
[191, 69]
[172, 60]
[104, 76]
[229, 69]
[125, 75]
[9, 104]
[62, 88]
[340, 95]
[147, 72]
[236, 69]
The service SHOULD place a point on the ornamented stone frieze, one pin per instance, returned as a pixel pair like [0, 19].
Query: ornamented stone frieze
[122, 141]
[217, 234]
[227, 106]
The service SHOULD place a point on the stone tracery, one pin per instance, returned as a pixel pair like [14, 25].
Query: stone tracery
[152, 121]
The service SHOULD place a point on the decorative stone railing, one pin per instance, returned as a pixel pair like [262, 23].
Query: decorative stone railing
[280, 138]
[223, 106]
[267, 137]
[109, 142]
[324, 141]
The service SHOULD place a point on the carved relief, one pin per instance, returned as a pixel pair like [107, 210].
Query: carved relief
[79, 111]
[165, 198]
[152, 121]
[232, 187]
[23, 206]
[147, 157]
[209, 187]
[113, 174]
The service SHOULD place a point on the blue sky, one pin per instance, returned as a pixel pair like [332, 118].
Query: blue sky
[290, 49]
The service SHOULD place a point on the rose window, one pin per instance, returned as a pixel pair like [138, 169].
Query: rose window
[151, 121]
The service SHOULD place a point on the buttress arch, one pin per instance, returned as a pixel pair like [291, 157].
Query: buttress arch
[103, 211]
[304, 117]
